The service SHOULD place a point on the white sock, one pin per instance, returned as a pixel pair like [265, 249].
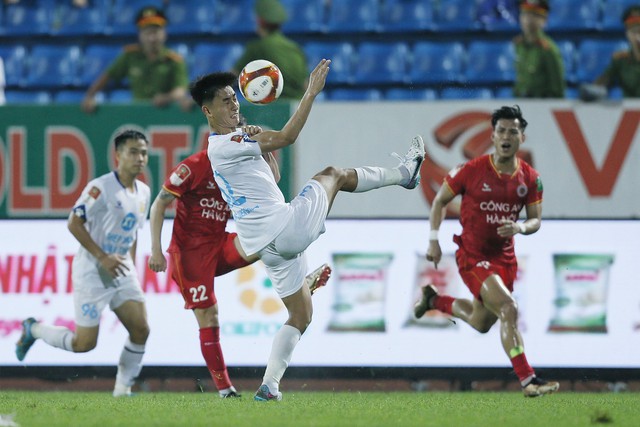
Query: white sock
[55, 336]
[372, 177]
[284, 342]
[130, 363]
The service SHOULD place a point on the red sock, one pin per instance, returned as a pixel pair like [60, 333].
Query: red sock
[212, 353]
[521, 367]
[443, 303]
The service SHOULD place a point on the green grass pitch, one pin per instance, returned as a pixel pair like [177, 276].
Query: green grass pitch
[297, 409]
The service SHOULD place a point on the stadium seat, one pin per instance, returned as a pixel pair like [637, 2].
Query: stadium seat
[406, 15]
[191, 17]
[236, 17]
[616, 93]
[305, 16]
[123, 15]
[94, 61]
[490, 61]
[381, 63]
[210, 57]
[612, 14]
[28, 17]
[341, 56]
[498, 15]
[594, 56]
[13, 58]
[505, 92]
[52, 66]
[466, 93]
[572, 15]
[74, 97]
[408, 94]
[436, 62]
[355, 94]
[120, 96]
[39, 97]
[70, 20]
[456, 15]
[568, 52]
[347, 16]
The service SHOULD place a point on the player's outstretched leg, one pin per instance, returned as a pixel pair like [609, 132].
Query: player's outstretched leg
[538, 387]
[26, 339]
[318, 278]
[410, 163]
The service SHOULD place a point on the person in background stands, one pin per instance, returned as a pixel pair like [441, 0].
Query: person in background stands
[539, 64]
[155, 73]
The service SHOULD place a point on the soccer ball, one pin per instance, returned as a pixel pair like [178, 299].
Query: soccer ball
[260, 82]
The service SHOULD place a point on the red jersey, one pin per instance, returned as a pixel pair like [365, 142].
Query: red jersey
[488, 197]
[201, 212]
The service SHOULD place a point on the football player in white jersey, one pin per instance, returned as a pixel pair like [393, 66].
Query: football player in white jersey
[105, 220]
[279, 232]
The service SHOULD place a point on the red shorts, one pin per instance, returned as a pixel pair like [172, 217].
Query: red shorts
[474, 271]
[194, 270]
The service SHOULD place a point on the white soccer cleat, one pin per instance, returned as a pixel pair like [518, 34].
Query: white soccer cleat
[410, 163]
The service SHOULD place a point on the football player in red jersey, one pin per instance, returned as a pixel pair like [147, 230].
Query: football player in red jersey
[494, 189]
[202, 249]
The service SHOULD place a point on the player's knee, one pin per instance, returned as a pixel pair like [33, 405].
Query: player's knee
[509, 311]
[140, 333]
[83, 346]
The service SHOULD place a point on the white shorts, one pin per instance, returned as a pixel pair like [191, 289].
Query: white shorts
[284, 257]
[92, 291]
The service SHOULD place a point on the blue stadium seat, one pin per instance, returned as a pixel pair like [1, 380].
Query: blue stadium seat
[349, 94]
[95, 60]
[70, 20]
[28, 17]
[490, 61]
[69, 96]
[347, 16]
[408, 94]
[466, 93]
[456, 15]
[39, 97]
[568, 52]
[381, 63]
[498, 15]
[209, 57]
[120, 96]
[594, 56]
[571, 15]
[123, 15]
[505, 92]
[436, 62]
[341, 56]
[13, 57]
[52, 66]
[305, 16]
[191, 17]
[236, 17]
[612, 14]
[407, 15]
[616, 93]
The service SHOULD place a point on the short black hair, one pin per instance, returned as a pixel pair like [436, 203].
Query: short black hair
[510, 113]
[204, 88]
[128, 134]
[630, 11]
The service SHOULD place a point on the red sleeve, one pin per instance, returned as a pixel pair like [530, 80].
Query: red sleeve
[456, 178]
[180, 179]
[534, 195]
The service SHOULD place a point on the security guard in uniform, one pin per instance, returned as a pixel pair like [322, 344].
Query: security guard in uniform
[274, 46]
[539, 64]
[624, 68]
[155, 73]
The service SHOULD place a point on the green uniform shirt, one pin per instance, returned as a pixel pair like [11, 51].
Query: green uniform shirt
[286, 54]
[148, 78]
[539, 69]
[623, 70]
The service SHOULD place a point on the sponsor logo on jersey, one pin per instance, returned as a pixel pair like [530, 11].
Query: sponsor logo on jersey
[522, 190]
[94, 193]
[178, 176]
[486, 188]
[237, 138]
[539, 183]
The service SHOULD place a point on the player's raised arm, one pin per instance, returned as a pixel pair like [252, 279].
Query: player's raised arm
[273, 140]
[157, 261]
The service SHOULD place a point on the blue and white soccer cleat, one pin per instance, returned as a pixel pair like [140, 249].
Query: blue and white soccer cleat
[26, 339]
[410, 163]
[264, 394]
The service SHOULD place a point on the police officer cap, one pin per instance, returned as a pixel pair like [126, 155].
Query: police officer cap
[540, 6]
[271, 11]
[631, 16]
[150, 16]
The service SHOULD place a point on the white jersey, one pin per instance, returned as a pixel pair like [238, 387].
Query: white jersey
[113, 215]
[249, 188]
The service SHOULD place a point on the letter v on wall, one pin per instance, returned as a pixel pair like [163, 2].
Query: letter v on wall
[599, 182]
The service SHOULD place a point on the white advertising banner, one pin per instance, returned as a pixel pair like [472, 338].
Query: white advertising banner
[578, 293]
[587, 154]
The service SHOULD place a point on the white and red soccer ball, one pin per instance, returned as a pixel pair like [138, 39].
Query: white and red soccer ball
[260, 82]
